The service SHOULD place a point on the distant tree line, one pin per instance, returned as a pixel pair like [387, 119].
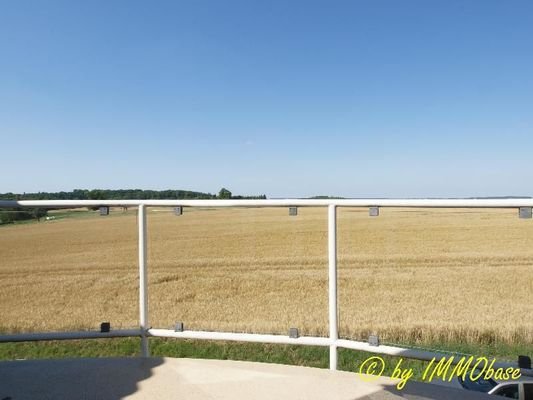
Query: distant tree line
[125, 194]
[12, 215]
[106, 194]
[326, 197]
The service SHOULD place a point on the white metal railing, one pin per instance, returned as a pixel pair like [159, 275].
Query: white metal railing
[333, 341]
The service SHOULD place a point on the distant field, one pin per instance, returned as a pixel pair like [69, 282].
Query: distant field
[412, 276]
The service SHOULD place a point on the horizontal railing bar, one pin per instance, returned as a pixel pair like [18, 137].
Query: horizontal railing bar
[388, 350]
[416, 354]
[422, 203]
[240, 337]
[317, 341]
[33, 337]
[245, 337]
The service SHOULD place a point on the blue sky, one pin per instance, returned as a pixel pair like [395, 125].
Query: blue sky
[352, 98]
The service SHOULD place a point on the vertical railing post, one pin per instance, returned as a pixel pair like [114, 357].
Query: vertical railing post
[332, 291]
[143, 282]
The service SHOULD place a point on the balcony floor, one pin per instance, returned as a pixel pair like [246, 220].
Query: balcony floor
[170, 378]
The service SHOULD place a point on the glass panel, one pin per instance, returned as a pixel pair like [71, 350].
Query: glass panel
[435, 276]
[239, 269]
[70, 272]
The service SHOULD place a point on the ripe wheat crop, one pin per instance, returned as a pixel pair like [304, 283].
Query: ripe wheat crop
[409, 275]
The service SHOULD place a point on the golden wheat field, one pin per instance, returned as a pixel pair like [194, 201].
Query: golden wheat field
[409, 275]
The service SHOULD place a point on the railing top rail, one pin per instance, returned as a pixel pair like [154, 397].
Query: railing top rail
[415, 203]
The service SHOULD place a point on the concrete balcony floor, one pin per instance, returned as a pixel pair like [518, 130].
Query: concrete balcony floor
[170, 378]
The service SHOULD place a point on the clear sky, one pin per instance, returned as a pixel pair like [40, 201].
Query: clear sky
[287, 98]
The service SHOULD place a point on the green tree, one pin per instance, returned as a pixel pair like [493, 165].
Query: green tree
[39, 213]
[224, 194]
